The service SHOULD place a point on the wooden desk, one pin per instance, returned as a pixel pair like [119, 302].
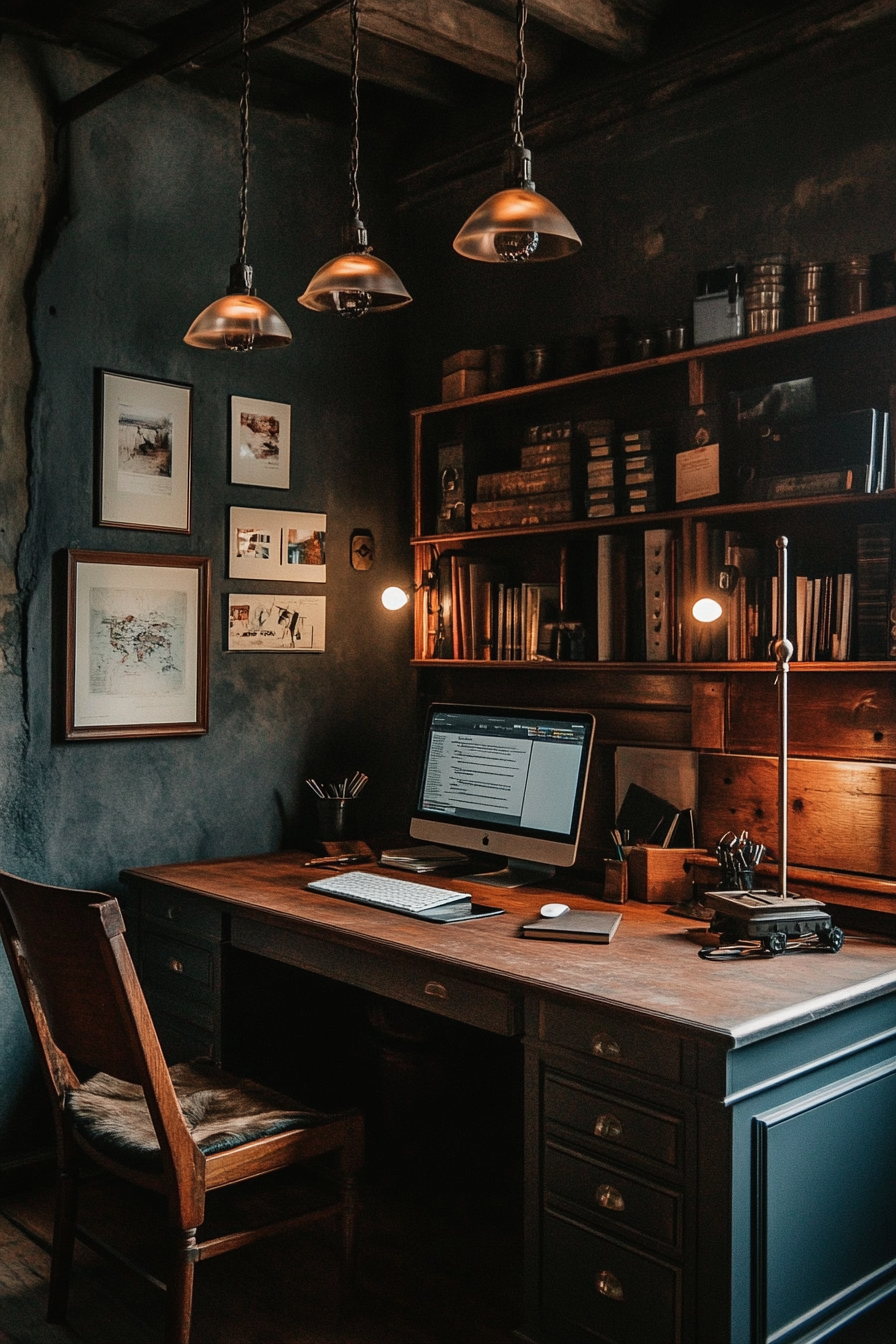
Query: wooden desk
[710, 1146]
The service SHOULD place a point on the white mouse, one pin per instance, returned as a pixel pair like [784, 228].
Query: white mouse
[554, 909]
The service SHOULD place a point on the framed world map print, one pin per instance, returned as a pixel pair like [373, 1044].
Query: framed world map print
[137, 645]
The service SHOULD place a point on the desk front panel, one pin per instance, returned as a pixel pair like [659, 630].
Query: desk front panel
[413, 980]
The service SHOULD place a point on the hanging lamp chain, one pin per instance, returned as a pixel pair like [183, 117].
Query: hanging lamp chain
[522, 14]
[355, 144]
[244, 139]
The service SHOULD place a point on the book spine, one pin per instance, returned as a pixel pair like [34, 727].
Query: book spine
[518, 513]
[536, 456]
[874, 548]
[511, 484]
[604, 597]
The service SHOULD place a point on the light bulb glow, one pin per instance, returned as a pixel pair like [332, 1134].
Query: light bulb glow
[516, 246]
[393, 599]
[707, 610]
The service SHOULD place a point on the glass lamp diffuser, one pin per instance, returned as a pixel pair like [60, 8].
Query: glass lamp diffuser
[355, 283]
[517, 224]
[240, 320]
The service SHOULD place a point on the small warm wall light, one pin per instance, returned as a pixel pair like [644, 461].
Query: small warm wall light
[708, 609]
[393, 599]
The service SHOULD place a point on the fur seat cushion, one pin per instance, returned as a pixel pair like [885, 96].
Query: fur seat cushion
[221, 1112]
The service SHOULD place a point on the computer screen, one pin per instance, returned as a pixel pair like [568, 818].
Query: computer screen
[509, 782]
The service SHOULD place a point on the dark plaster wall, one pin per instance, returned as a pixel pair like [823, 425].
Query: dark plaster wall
[800, 156]
[147, 196]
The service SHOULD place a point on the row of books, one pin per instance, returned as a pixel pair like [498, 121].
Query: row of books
[842, 611]
[482, 616]
[542, 490]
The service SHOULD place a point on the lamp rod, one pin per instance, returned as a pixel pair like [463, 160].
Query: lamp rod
[783, 652]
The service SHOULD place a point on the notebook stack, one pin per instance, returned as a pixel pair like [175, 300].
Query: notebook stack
[540, 491]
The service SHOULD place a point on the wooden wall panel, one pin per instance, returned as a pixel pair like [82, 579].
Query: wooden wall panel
[841, 716]
[841, 813]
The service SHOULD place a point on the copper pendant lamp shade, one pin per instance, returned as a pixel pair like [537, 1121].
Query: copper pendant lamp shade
[356, 282]
[518, 224]
[240, 321]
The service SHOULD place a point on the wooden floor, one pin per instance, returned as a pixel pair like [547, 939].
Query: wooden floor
[419, 1283]
[422, 1282]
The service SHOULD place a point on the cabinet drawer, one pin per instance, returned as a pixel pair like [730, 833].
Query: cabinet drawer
[410, 980]
[180, 911]
[622, 1126]
[619, 1200]
[174, 962]
[613, 1039]
[621, 1295]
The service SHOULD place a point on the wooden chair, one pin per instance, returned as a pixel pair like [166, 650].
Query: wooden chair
[180, 1132]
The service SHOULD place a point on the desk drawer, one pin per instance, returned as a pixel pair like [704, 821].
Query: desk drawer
[177, 964]
[178, 910]
[612, 1039]
[622, 1202]
[409, 980]
[622, 1126]
[621, 1295]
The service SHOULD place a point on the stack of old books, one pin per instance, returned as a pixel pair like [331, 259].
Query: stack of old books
[540, 491]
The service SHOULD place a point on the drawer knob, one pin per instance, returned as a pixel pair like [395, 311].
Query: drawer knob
[608, 1197]
[608, 1126]
[175, 964]
[435, 990]
[609, 1286]
[172, 912]
[604, 1046]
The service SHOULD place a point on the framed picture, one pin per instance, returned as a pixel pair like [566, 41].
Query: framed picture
[137, 642]
[259, 442]
[274, 624]
[274, 545]
[144, 431]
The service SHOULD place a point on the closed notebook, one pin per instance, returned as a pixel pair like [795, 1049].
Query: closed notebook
[577, 926]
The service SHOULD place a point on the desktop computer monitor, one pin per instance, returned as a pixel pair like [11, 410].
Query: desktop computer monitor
[509, 782]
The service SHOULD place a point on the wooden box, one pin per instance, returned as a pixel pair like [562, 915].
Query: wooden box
[660, 876]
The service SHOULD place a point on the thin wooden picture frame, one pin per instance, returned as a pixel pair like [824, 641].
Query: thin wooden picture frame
[260, 434]
[144, 435]
[136, 645]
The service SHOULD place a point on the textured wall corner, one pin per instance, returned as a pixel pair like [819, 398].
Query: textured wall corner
[25, 166]
[26, 157]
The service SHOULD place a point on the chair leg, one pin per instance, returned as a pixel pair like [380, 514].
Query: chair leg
[179, 1303]
[63, 1242]
[347, 1267]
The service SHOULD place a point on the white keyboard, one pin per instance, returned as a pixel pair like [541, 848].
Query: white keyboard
[388, 893]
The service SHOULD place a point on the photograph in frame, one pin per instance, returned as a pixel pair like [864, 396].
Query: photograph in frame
[269, 623]
[259, 442]
[137, 645]
[278, 546]
[144, 433]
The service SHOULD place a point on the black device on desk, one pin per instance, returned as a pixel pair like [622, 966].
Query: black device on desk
[509, 782]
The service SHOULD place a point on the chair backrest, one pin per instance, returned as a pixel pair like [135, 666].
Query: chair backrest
[85, 1007]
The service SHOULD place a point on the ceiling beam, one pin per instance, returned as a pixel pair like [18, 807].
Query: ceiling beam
[219, 25]
[382, 61]
[610, 25]
[461, 33]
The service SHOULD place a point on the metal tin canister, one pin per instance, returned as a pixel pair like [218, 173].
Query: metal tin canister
[852, 284]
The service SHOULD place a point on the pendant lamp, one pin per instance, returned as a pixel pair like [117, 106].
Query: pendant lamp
[517, 224]
[240, 320]
[356, 282]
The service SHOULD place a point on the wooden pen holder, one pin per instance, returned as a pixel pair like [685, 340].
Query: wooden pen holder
[615, 880]
[661, 876]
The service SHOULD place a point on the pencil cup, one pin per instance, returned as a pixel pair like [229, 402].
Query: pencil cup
[615, 880]
[333, 817]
